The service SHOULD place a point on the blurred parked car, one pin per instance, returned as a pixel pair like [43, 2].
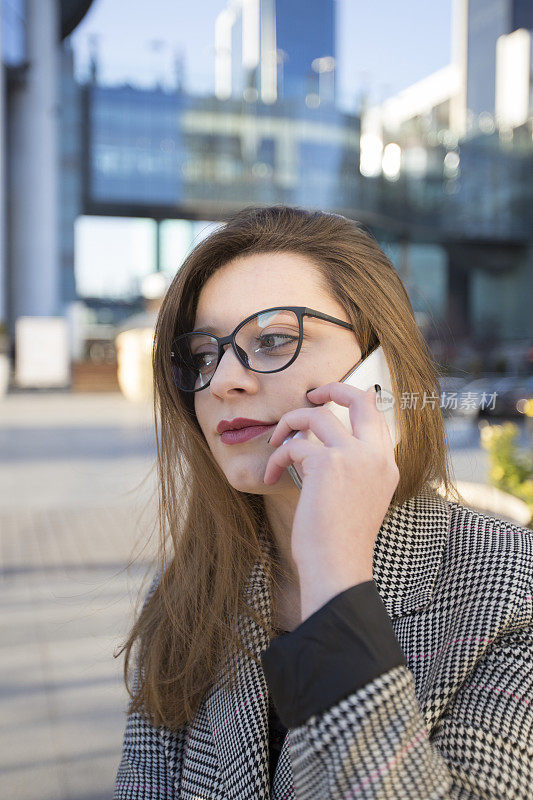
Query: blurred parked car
[518, 395]
[483, 396]
[493, 396]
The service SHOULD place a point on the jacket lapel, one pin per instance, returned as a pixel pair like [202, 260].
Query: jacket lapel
[408, 553]
[407, 556]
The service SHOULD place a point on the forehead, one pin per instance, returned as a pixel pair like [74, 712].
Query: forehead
[262, 280]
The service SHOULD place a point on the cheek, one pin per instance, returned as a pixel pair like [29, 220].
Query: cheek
[202, 415]
[200, 407]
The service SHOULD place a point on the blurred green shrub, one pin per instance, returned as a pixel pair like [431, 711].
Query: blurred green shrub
[510, 469]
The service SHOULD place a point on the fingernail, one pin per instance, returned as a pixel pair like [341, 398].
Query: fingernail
[311, 390]
[269, 438]
[377, 387]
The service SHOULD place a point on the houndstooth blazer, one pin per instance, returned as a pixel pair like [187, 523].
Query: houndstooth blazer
[456, 723]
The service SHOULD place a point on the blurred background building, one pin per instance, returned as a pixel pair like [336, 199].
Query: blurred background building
[441, 173]
[270, 50]
[35, 283]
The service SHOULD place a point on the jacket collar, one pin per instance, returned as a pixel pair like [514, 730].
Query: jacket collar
[407, 556]
[408, 552]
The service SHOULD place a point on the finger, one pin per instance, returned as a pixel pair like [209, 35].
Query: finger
[386, 430]
[292, 452]
[364, 414]
[381, 409]
[369, 420]
[323, 423]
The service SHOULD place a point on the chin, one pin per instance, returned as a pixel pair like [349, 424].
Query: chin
[248, 484]
[247, 479]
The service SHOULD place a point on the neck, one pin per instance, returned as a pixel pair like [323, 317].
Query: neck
[280, 512]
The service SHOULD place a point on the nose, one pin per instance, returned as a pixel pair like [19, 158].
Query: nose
[242, 354]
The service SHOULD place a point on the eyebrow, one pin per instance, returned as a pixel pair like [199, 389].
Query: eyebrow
[214, 328]
[210, 328]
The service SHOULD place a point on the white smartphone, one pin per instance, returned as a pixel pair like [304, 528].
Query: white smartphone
[373, 369]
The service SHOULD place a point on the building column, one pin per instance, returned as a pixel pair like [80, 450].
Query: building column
[3, 225]
[458, 310]
[33, 170]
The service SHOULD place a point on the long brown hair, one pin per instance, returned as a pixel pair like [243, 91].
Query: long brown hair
[210, 534]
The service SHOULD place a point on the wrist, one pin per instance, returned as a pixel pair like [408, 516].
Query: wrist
[315, 593]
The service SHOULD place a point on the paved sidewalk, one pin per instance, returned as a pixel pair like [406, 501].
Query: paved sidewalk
[73, 506]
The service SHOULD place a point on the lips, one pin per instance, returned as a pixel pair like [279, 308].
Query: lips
[240, 435]
[241, 422]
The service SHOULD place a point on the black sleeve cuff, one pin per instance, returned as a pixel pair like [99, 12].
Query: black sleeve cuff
[343, 645]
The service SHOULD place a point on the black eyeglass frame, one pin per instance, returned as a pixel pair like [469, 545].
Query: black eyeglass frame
[222, 341]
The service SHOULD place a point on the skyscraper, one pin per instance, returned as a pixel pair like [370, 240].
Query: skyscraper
[477, 27]
[274, 49]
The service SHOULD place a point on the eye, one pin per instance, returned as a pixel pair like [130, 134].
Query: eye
[283, 336]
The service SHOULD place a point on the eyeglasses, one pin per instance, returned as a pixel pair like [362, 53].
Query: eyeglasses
[267, 341]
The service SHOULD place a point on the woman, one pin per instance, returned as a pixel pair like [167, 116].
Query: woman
[364, 637]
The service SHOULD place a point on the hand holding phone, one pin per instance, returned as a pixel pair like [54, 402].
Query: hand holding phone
[371, 370]
[350, 479]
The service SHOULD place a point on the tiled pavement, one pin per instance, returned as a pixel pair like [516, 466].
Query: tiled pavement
[73, 510]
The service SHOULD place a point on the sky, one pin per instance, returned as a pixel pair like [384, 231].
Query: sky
[383, 46]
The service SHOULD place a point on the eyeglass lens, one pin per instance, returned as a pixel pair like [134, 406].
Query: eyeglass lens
[267, 342]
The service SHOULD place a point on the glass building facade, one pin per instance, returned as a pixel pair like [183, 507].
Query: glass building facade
[176, 155]
[135, 146]
[275, 50]
[311, 38]
[522, 15]
[487, 21]
[13, 27]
